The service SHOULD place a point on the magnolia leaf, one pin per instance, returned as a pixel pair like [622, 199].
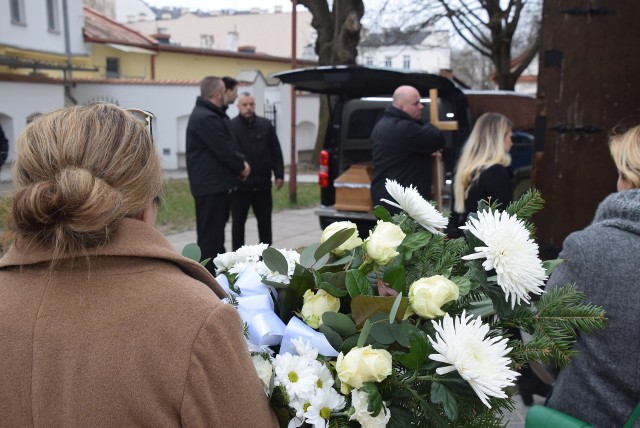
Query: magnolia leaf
[364, 334]
[551, 265]
[396, 277]
[357, 284]
[332, 289]
[192, 251]
[364, 307]
[275, 261]
[375, 399]
[441, 394]
[306, 256]
[333, 242]
[334, 338]
[341, 323]
[382, 213]
[418, 349]
[463, 283]
[415, 241]
[394, 308]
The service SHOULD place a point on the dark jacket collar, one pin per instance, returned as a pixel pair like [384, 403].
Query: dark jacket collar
[211, 106]
[396, 112]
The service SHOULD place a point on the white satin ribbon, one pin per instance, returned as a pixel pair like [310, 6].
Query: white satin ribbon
[297, 329]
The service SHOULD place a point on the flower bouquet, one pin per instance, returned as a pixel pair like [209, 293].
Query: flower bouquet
[406, 327]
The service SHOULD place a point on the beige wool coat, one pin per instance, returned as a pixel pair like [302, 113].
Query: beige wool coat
[131, 335]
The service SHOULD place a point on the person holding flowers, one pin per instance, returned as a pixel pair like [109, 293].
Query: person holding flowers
[102, 323]
[601, 385]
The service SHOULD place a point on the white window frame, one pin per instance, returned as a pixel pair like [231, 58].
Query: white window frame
[16, 8]
[53, 16]
[406, 62]
[387, 61]
[369, 61]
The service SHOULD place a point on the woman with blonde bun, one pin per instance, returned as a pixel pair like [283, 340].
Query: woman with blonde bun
[601, 385]
[102, 323]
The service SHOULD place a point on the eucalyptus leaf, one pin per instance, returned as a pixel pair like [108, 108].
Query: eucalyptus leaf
[333, 338]
[381, 333]
[192, 251]
[341, 323]
[205, 261]
[307, 258]
[364, 334]
[394, 308]
[440, 394]
[334, 241]
[275, 261]
[402, 332]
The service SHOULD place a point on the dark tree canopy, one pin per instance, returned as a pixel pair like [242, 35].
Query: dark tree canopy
[338, 29]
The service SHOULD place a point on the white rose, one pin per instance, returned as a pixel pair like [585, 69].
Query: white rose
[265, 371]
[360, 402]
[317, 304]
[351, 243]
[428, 295]
[363, 365]
[383, 241]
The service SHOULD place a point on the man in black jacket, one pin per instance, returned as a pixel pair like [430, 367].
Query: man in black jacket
[214, 164]
[403, 147]
[259, 143]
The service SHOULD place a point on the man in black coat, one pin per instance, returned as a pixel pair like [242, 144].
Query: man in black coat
[403, 147]
[215, 165]
[4, 147]
[259, 143]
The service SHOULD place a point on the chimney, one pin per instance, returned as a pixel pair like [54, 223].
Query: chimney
[232, 41]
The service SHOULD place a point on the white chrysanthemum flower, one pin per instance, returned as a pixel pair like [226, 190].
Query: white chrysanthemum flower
[409, 200]
[325, 378]
[296, 374]
[304, 348]
[323, 403]
[265, 371]
[510, 251]
[251, 252]
[481, 361]
[360, 403]
[226, 261]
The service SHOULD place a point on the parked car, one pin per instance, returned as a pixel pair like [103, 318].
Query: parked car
[357, 98]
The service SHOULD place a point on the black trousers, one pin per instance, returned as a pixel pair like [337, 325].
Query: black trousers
[261, 203]
[212, 213]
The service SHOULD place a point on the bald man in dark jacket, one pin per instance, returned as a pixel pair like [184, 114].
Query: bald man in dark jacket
[403, 147]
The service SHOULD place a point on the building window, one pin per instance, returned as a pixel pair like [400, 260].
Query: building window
[17, 11]
[406, 62]
[387, 61]
[369, 61]
[53, 16]
[113, 67]
[206, 41]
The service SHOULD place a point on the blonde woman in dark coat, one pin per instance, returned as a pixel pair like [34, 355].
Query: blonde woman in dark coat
[102, 323]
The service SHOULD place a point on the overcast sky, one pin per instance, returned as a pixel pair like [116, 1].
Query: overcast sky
[224, 4]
